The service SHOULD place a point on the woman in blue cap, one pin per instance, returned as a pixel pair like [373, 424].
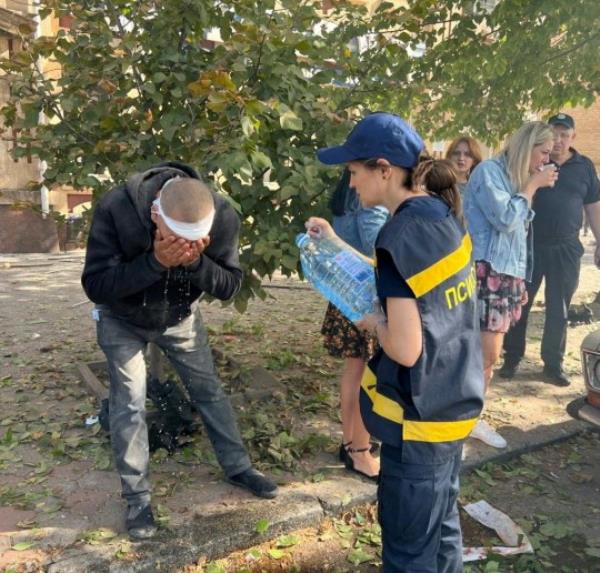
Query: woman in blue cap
[423, 391]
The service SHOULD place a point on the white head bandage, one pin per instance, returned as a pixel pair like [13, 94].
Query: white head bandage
[189, 231]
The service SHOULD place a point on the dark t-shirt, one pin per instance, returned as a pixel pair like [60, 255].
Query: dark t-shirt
[559, 209]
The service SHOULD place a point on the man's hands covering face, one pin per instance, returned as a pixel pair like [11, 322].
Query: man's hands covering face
[172, 251]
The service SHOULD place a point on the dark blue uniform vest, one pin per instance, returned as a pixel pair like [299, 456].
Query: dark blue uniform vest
[429, 409]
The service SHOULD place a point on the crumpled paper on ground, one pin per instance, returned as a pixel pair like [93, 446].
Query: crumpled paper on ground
[507, 530]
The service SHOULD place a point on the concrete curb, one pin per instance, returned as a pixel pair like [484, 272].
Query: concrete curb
[216, 535]
[298, 507]
[566, 431]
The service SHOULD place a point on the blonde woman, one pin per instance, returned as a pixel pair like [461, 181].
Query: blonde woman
[497, 206]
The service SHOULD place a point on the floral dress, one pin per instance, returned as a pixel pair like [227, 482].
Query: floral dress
[500, 298]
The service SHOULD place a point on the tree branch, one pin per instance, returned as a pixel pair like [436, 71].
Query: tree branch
[571, 49]
[254, 75]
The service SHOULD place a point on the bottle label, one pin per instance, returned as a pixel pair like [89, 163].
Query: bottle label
[353, 266]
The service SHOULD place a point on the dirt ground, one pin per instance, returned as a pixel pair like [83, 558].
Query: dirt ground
[56, 470]
[553, 494]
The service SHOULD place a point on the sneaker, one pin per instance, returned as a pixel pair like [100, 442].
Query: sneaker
[256, 483]
[556, 376]
[140, 522]
[484, 432]
[508, 370]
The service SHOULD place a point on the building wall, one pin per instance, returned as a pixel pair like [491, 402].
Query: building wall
[22, 229]
[26, 231]
[587, 127]
[63, 199]
[19, 6]
[14, 175]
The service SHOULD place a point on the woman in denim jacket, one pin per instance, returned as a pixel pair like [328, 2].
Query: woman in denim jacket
[359, 228]
[497, 206]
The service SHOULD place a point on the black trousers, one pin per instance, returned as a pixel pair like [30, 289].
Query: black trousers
[559, 264]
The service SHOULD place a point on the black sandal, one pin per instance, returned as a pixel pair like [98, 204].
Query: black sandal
[349, 463]
[343, 453]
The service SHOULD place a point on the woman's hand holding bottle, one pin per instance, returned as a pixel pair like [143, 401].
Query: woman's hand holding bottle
[319, 228]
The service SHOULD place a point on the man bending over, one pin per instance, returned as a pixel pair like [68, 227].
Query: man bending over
[156, 244]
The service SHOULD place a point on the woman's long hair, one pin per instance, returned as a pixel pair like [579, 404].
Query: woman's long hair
[438, 177]
[519, 147]
[472, 144]
[339, 198]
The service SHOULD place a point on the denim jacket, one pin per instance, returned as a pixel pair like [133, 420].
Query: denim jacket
[498, 218]
[358, 226]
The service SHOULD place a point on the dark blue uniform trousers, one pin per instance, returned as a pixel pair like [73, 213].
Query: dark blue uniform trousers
[418, 515]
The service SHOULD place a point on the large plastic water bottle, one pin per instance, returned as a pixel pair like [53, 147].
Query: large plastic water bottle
[340, 275]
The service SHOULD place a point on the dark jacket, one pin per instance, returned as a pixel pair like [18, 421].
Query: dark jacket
[121, 272]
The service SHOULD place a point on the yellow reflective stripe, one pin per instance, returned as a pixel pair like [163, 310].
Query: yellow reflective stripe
[436, 274]
[413, 430]
[437, 431]
[382, 405]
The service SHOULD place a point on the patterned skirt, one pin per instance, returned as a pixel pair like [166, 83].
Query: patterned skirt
[500, 299]
[343, 340]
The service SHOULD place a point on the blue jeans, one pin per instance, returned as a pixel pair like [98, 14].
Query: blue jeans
[186, 347]
[418, 514]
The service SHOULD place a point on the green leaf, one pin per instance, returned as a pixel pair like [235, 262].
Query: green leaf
[240, 304]
[254, 554]
[103, 460]
[24, 545]
[592, 551]
[247, 126]
[287, 541]
[262, 525]
[289, 120]
[97, 536]
[358, 556]
[260, 160]
[289, 262]
[556, 529]
[276, 553]
[343, 530]
[214, 567]
[124, 551]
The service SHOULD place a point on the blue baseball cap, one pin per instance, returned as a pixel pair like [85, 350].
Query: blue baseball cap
[379, 135]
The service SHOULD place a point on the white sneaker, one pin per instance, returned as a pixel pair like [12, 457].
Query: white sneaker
[484, 432]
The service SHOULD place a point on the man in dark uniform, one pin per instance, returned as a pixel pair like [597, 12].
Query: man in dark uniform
[557, 250]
